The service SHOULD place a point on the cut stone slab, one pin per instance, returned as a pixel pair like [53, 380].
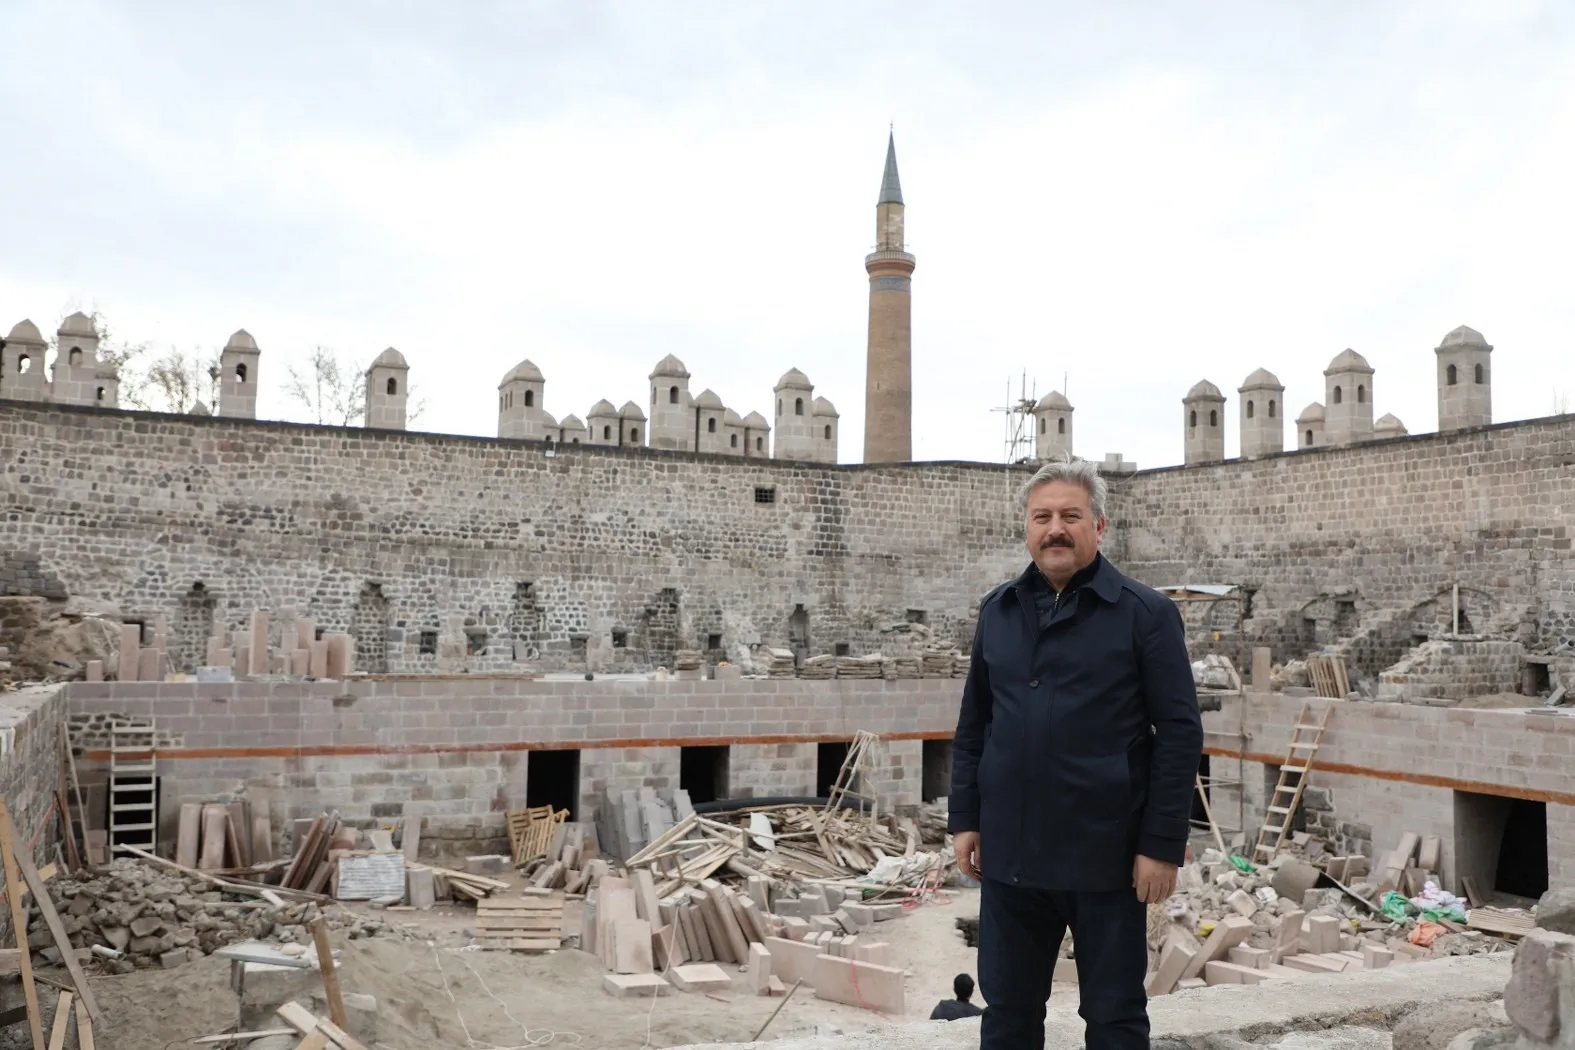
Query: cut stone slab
[701, 977]
[859, 984]
[1556, 910]
[629, 985]
[1230, 932]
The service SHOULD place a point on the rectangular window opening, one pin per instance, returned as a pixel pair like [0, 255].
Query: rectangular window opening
[765, 494]
[428, 643]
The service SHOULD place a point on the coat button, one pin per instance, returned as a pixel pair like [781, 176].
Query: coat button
[1033, 683]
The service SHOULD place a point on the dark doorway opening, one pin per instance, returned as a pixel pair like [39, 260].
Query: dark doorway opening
[937, 763]
[1523, 856]
[552, 778]
[1501, 844]
[829, 756]
[798, 634]
[703, 772]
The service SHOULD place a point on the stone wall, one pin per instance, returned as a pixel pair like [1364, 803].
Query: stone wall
[445, 553]
[1385, 524]
[1456, 669]
[30, 758]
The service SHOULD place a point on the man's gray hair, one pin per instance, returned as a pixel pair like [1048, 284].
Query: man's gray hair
[1075, 472]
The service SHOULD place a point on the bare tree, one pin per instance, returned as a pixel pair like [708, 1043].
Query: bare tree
[333, 392]
[172, 382]
[330, 391]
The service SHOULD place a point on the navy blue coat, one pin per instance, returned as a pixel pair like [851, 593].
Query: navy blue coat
[1079, 735]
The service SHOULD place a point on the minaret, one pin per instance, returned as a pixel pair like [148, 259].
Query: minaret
[888, 376]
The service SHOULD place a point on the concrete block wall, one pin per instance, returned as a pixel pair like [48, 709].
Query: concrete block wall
[1393, 768]
[764, 770]
[457, 751]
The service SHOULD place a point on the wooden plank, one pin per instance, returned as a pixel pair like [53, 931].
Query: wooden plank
[297, 1017]
[235, 1037]
[339, 1037]
[315, 1040]
[57, 1035]
[325, 963]
[46, 908]
[85, 1036]
[13, 890]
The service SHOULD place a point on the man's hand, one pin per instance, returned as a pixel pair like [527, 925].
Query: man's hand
[966, 845]
[1154, 880]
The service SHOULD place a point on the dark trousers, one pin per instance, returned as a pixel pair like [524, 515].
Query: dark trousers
[1020, 932]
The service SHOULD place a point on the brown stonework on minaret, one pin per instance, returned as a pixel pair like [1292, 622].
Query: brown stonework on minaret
[888, 377]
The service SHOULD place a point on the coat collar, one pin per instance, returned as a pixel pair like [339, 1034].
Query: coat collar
[1106, 581]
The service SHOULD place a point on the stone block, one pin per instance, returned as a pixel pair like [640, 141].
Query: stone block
[878, 952]
[795, 929]
[1230, 932]
[632, 985]
[760, 969]
[1253, 958]
[1540, 996]
[1218, 972]
[864, 985]
[420, 887]
[700, 977]
[1556, 910]
[1173, 960]
[1375, 957]
[793, 960]
[1323, 934]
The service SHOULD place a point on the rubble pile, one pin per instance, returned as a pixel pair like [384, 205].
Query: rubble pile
[130, 914]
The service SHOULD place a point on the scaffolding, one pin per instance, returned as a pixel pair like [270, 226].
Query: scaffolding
[1019, 413]
[1237, 741]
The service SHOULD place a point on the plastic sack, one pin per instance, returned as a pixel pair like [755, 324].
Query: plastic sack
[1425, 933]
[1395, 907]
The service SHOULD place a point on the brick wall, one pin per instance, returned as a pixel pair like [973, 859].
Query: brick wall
[1392, 768]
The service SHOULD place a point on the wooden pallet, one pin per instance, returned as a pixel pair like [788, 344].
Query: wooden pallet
[522, 924]
[531, 832]
[1287, 794]
[1499, 921]
[1328, 675]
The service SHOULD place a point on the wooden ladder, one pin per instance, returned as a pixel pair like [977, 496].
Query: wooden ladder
[133, 787]
[1293, 780]
[855, 775]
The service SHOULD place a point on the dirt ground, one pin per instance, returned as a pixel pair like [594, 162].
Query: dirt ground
[433, 991]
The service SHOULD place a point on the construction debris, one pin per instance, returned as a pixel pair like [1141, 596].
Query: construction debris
[132, 915]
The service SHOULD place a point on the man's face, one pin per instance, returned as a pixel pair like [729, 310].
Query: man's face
[1063, 534]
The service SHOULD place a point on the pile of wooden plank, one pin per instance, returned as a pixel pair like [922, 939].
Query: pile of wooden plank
[224, 836]
[312, 867]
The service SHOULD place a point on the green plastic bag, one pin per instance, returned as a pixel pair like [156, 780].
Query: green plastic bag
[1395, 907]
[1452, 914]
[1242, 864]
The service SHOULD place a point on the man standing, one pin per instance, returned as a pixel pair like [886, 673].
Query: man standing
[1073, 770]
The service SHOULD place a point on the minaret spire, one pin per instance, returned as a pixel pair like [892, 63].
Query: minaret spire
[890, 185]
[888, 376]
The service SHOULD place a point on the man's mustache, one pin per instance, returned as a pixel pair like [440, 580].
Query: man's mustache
[1055, 541]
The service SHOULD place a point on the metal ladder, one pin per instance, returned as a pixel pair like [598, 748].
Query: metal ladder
[1293, 780]
[133, 787]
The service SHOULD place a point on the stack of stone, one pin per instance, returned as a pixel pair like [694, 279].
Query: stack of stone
[960, 664]
[938, 663]
[148, 917]
[780, 663]
[872, 666]
[819, 668]
[908, 665]
[5, 662]
[687, 660]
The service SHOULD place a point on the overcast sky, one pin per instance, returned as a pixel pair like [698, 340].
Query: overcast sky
[1131, 195]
